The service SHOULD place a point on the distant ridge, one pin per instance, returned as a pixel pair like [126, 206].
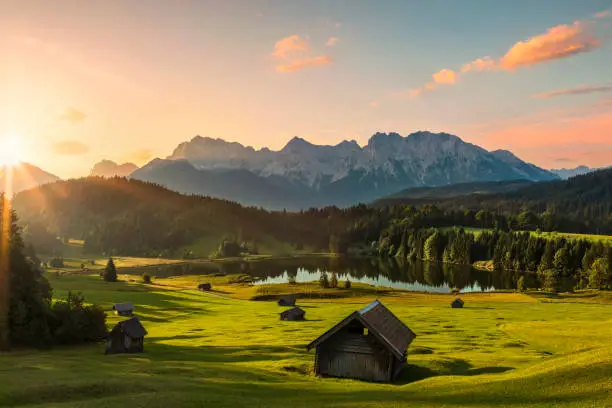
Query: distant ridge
[24, 177]
[303, 175]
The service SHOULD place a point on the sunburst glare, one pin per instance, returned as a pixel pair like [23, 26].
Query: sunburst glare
[10, 150]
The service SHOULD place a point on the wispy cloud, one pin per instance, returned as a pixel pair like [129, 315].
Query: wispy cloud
[332, 41]
[288, 46]
[559, 42]
[296, 54]
[70, 148]
[301, 64]
[72, 115]
[603, 14]
[578, 90]
[140, 156]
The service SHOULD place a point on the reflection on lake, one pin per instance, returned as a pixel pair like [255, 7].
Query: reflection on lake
[399, 274]
[413, 276]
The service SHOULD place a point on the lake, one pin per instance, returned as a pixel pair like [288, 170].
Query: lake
[398, 274]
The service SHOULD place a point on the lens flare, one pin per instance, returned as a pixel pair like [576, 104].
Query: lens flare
[10, 150]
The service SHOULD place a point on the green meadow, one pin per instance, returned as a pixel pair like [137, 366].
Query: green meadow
[213, 349]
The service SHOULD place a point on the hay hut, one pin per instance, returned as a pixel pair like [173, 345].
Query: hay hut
[457, 303]
[204, 287]
[293, 314]
[126, 337]
[287, 300]
[123, 309]
[370, 344]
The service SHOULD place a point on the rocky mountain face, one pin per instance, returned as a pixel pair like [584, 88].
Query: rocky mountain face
[576, 171]
[303, 174]
[23, 176]
[108, 168]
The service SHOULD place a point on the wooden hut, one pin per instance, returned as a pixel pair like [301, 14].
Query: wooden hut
[126, 337]
[204, 287]
[287, 300]
[295, 313]
[370, 344]
[457, 303]
[123, 309]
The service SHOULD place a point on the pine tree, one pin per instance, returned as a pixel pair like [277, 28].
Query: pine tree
[333, 281]
[110, 272]
[324, 281]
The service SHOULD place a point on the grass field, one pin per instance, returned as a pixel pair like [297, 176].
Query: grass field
[502, 350]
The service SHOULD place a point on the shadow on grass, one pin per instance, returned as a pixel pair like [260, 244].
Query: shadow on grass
[413, 373]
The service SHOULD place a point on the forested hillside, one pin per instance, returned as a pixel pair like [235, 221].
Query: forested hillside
[138, 218]
[584, 200]
[132, 217]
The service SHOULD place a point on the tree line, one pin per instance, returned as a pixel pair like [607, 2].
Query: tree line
[554, 263]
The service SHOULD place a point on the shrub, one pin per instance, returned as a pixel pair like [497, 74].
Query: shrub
[73, 322]
[347, 284]
[291, 280]
[333, 282]
[146, 278]
[324, 281]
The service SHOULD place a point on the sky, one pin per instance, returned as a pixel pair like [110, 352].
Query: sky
[82, 81]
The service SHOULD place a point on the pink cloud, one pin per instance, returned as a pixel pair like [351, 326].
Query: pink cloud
[603, 14]
[578, 90]
[445, 76]
[305, 63]
[558, 42]
[290, 45]
[332, 41]
[296, 54]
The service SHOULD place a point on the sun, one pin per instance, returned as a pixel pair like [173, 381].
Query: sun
[10, 150]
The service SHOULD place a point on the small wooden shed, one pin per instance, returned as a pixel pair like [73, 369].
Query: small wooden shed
[295, 313]
[457, 303]
[123, 309]
[204, 287]
[370, 344]
[126, 337]
[287, 300]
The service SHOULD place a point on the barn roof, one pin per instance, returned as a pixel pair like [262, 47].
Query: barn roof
[132, 327]
[123, 307]
[381, 323]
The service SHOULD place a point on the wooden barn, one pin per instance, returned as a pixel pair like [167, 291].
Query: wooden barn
[123, 309]
[295, 313]
[204, 287]
[287, 300]
[370, 344]
[126, 337]
[457, 303]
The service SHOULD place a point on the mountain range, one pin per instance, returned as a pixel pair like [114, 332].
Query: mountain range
[23, 176]
[303, 174]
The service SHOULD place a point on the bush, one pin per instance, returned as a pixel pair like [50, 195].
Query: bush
[347, 284]
[73, 322]
[324, 281]
[146, 278]
[291, 280]
[333, 282]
